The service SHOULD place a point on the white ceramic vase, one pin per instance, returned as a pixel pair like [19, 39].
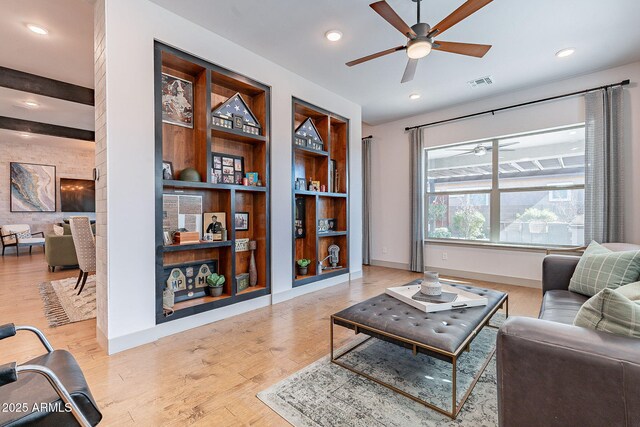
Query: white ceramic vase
[431, 284]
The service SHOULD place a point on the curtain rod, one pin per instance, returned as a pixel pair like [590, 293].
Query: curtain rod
[495, 110]
[367, 137]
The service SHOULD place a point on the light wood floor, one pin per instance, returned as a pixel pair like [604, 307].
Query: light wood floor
[205, 376]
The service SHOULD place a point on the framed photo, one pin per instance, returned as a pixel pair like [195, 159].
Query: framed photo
[32, 187]
[242, 221]
[166, 236]
[325, 225]
[227, 168]
[177, 101]
[242, 245]
[213, 223]
[167, 170]
[252, 177]
[301, 184]
[299, 229]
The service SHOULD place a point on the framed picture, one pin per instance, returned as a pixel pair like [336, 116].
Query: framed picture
[177, 101]
[227, 168]
[301, 184]
[242, 221]
[213, 223]
[242, 245]
[167, 170]
[299, 229]
[32, 187]
[166, 236]
[325, 225]
[252, 177]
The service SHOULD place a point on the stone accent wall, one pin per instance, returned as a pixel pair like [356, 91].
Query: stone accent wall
[72, 159]
[102, 279]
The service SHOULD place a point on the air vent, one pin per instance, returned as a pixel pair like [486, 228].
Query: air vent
[482, 81]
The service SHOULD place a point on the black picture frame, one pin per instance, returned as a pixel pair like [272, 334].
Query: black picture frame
[15, 173]
[299, 228]
[167, 170]
[177, 101]
[220, 172]
[327, 225]
[241, 221]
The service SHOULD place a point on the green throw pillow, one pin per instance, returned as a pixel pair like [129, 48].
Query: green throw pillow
[615, 311]
[601, 268]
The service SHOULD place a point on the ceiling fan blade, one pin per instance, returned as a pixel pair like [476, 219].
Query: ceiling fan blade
[470, 49]
[383, 9]
[410, 71]
[464, 11]
[375, 55]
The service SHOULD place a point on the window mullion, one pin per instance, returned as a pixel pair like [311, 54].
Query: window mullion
[494, 216]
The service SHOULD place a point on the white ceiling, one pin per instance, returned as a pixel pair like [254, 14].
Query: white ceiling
[65, 54]
[525, 35]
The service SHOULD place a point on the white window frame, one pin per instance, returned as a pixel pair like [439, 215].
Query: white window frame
[494, 194]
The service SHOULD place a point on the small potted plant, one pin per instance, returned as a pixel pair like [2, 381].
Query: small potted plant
[303, 266]
[215, 284]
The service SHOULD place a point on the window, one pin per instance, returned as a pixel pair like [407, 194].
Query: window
[524, 189]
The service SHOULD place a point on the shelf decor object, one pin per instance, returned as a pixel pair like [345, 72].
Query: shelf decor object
[236, 114]
[320, 192]
[306, 135]
[219, 144]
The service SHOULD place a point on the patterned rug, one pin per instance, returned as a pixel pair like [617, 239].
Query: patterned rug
[61, 304]
[325, 394]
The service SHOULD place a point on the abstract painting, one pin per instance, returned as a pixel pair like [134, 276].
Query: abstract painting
[33, 188]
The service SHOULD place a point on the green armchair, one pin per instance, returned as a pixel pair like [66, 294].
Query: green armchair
[60, 251]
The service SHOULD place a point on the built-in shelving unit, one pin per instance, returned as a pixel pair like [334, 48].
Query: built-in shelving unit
[193, 147]
[329, 166]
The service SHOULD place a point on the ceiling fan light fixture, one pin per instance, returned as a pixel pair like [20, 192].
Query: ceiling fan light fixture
[37, 29]
[414, 96]
[418, 48]
[333, 35]
[565, 52]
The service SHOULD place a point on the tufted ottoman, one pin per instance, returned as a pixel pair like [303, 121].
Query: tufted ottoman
[444, 334]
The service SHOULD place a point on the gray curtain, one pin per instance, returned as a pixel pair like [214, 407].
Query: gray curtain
[366, 201]
[416, 142]
[604, 175]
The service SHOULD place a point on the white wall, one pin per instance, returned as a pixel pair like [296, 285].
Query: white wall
[72, 159]
[390, 156]
[131, 28]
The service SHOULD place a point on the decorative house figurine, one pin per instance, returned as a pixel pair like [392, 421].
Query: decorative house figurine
[234, 113]
[307, 135]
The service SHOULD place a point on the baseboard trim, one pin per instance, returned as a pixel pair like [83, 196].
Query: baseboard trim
[495, 278]
[389, 264]
[136, 339]
[308, 288]
[355, 275]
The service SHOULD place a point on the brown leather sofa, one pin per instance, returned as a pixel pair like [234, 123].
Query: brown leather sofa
[551, 373]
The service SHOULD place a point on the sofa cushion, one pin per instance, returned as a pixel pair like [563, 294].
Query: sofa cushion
[601, 268]
[561, 306]
[58, 230]
[615, 311]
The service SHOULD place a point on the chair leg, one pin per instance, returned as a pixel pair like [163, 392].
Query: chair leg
[79, 278]
[84, 280]
[30, 248]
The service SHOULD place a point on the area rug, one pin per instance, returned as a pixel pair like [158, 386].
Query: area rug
[61, 304]
[325, 394]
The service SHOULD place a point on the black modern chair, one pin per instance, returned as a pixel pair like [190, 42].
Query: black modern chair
[49, 390]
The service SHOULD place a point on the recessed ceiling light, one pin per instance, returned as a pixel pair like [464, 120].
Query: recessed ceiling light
[37, 29]
[25, 135]
[414, 96]
[31, 104]
[333, 35]
[565, 52]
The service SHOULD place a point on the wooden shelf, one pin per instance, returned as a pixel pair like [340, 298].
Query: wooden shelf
[198, 301]
[191, 246]
[332, 234]
[329, 166]
[251, 289]
[236, 135]
[310, 151]
[192, 146]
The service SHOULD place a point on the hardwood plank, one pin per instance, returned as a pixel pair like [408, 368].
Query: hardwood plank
[208, 375]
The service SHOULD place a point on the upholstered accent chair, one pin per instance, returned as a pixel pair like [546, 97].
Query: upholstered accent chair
[19, 236]
[85, 245]
[50, 389]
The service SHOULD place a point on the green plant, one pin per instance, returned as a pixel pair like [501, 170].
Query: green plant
[440, 233]
[437, 212]
[468, 223]
[215, 280]
[303, 262]
[534, 214]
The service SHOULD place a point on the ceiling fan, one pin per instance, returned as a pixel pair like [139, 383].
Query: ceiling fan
[420, 36]
[481, 150]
